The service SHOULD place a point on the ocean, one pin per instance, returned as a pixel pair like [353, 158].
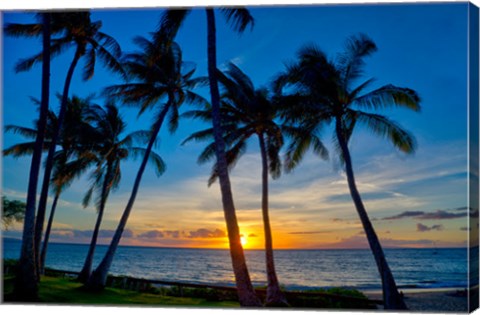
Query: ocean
[296, 269]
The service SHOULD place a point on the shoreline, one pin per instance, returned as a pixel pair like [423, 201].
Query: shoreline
[437, 300]
[415, 290]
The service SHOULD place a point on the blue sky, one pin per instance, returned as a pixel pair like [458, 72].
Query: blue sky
[420, 46]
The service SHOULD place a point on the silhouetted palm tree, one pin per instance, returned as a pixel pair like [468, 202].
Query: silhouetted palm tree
[110, 149]
[330, 94]
[25, 288]
[162, 82]
[240, 18]
[74, 141]
[90, 43]
[248, 112]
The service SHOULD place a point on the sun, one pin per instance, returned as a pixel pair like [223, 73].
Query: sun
[243, 240]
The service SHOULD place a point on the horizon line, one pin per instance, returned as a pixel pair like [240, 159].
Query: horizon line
[246, 249]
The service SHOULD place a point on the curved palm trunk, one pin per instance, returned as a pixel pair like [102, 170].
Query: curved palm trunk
[98, 278]
[391, 298]
[25, 285]
[275, 297]
[87, 266]
[42, 205]
[246, 293]
[46, 238]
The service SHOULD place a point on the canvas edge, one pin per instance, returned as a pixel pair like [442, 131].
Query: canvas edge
[473, 161]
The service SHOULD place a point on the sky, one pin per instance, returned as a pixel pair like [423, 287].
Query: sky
[418, 200]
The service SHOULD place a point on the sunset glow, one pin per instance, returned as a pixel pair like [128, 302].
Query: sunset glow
[243, 240]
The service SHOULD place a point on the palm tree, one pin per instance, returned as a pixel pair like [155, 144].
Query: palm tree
[25, 288]
[12, 211]
[89, 42]
[162, 82]
[248, 112]
[240, 18]
[74, 138]
[109, 152]
[330, 93]
[75, 141]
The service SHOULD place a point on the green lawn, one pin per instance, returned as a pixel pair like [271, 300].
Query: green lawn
[65, 291]
[60, 290]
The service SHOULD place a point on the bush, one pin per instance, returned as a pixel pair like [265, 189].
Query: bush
[9, 266]
[360, 302]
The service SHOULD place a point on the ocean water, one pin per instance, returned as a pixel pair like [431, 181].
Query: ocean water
[296, 269]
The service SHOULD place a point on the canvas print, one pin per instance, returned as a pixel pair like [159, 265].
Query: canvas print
[299, 157]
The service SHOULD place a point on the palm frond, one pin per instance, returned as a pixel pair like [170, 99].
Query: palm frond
[139, 136]
[153, 158]
[239, 18]
[355, 92]
[387, 96]
[24, 131]
[58, 46]
[232, 155]
[207, 154]
[301, 139]
[89, 68]
[88, 196]
[170, 22]
[195, 99]
[22, 149]
[23, 30]
[204, 115]
[109, 43]
[110, 61]
[202, 135]
[350, 62]
[386, 128]
[173, 117]
[242, 80]
[273, 148]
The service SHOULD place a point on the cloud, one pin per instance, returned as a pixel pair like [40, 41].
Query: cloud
[422, 215]
[88, 233]
[424, 228]
[173, 234]
[206, 233]
[405, 214]
[441, 215]
[155, 234]
[377, 195]
[152, 234]
[358, 241]
[309, 232]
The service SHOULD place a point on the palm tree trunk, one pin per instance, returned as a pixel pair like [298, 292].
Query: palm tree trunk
[275, 297]
[246, 293]
[87, 266]
[43, 255]
[42, 205]
[25, 285]
[391, 298]
[98, 278]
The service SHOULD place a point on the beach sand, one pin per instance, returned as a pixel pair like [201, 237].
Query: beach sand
[436, 301]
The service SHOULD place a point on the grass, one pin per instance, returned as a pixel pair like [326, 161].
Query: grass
[54, 290]
[61, 290]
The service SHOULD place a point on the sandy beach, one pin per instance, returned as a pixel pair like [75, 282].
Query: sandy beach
[432, 300]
